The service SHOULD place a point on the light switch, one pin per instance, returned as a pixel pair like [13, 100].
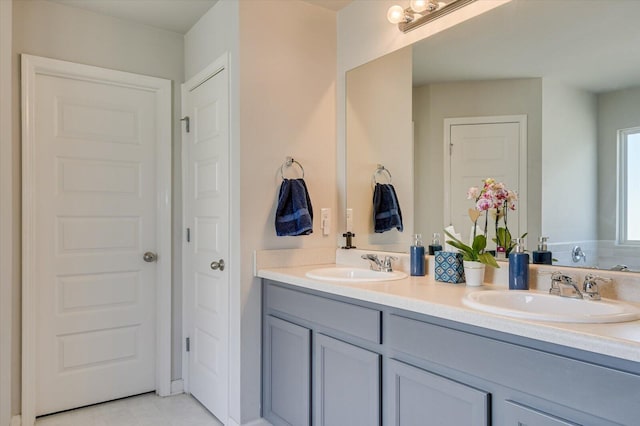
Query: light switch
[325, 220]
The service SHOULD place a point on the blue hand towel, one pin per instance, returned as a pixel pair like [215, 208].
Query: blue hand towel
[386, 209]
[294, 214]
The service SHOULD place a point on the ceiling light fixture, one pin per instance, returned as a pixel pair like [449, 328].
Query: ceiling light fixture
[420, 12]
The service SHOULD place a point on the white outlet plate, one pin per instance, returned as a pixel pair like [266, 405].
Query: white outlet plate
[325, 220]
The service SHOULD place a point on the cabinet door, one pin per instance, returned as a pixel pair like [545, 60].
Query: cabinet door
[346, 384]
[519, 415]
[417, 398]
[287, 373]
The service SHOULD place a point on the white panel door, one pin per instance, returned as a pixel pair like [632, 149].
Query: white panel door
[206, 215]
[479, 151]
[95, 215]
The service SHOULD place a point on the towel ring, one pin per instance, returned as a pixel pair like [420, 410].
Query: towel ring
[288, 163]
[380, 170]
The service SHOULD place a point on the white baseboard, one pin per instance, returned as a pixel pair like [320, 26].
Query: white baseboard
[258, 422]
[16, 421]
[177, 387]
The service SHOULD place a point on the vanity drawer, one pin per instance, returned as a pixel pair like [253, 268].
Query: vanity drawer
[520, 415]
[355, 320]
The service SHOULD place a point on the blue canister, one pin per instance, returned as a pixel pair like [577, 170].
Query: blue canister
[519, 267]
[417, 256]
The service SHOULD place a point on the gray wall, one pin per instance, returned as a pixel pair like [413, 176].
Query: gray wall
[569, 163]
[616, 110]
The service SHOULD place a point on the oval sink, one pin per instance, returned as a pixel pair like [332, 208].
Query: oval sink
[350, 274]
[545, 307]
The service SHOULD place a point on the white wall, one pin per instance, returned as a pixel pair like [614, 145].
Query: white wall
[214, 34]
[8, 377]
[569, 163]
[53, 30]
[435, 102]
[378, 108]
[283, 97]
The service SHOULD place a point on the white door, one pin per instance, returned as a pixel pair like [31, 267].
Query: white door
[206, 216]
[480, 148]
[92, 147]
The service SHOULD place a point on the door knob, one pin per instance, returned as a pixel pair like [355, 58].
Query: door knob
[217, 265]
[150, 256]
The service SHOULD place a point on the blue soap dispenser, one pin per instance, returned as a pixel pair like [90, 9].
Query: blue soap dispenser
[542, 255]
[519, 267]
[435, 244]
[417, 256]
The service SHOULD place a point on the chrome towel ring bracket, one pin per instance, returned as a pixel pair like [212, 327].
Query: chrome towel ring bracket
[288, 163]
[381, 172]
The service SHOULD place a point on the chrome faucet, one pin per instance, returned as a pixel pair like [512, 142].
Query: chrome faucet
[590, 287]
[619, 268]
[564, 286]
[380, 265]
[577, 254]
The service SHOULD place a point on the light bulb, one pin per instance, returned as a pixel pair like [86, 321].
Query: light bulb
[418, 5]
[395, 14]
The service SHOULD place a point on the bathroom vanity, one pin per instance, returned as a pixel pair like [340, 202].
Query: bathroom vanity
[408, 353]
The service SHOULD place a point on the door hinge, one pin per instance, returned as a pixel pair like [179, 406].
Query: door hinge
[450, 149]
[186, 120]
[188, 342]
[188, 235]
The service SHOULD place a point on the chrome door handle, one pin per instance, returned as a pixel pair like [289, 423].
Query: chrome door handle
[150, 256]
[217, 265]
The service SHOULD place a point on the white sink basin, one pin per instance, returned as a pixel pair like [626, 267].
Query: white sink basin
[545, 307]
[351, 274]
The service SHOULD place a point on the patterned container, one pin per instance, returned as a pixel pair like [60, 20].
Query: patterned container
[449, 267]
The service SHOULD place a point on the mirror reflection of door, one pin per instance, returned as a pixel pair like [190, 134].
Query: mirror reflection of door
[476, 149]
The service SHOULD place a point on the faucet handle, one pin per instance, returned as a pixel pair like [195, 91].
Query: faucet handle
[561, 277]
[558, 278]
[590, 286]
[594, 277]
[389, 259]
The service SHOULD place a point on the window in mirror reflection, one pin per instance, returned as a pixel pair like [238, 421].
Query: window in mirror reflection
[629, 187]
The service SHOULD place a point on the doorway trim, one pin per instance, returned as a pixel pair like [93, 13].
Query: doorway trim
[521, 119]
[31, 67]
[7, 239]
[215, 67]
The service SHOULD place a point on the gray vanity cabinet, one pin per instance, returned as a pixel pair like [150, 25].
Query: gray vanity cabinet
[288, 358]
[332, 361]
[417, 397]
[346, 384]
[311, 375]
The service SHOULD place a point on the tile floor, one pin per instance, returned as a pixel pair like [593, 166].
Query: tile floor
[142, 410]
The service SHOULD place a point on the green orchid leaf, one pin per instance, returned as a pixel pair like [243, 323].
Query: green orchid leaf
[466, 250]
[479, 243]
[488, 259]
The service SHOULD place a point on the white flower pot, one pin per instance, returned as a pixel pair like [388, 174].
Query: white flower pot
[474, 273]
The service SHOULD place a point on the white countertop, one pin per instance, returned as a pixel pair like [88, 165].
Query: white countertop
[426, 296]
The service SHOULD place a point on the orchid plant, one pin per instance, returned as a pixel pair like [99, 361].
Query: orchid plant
[475, 252]
[496, 197]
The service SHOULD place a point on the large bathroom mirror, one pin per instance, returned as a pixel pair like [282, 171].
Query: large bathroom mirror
[568, 70]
